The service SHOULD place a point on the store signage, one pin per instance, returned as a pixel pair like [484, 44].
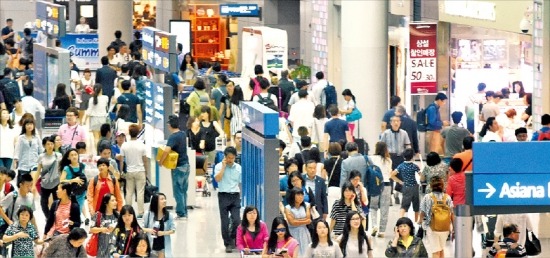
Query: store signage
[423, 58]
[84, 49]
[159, 49]
[240, 10]
[50, 19]
[471, 9]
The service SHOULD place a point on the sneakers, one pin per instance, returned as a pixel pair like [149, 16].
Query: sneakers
[374, 231]
[228, 249]
[181, 218]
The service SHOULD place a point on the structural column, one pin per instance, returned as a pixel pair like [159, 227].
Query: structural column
[365, 61]
[113, 16]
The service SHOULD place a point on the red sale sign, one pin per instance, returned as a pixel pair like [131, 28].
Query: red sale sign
[423, 58]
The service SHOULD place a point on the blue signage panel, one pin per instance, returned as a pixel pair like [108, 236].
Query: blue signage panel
[260, 119]
[159, 49]
[511, 190]
[511, 157]
[51, 19]
[40, 66]
[84, 49]
[240, 10]
[149, 101]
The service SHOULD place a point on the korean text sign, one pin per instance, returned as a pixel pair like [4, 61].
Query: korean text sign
[423, 58]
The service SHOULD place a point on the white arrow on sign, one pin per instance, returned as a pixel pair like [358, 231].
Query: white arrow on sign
[490, 190]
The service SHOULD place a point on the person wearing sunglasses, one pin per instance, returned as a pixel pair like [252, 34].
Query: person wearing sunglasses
[509, 244]
[280, 242]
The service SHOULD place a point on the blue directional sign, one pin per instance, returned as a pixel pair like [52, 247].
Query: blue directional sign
[159, 49]
[240, 10]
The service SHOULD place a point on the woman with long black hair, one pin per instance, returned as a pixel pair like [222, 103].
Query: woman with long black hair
[188, 68]
[61, 100]
[348, 202]
[97, 111]
[126, 230]
[159, 223]
[231, 108]
[252, 232]
[103, 223]
[280, 242]
[64, 214]
[354, 241]
[321, 244]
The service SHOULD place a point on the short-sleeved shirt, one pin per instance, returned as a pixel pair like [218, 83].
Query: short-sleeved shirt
[217, 94]
[23, 247]
[454, 135]
[396, 140]
[490, 109]
[339, 213]
[132, 101]
[407, 170]
[5, 31]
[231, 178]
[50, 167]
[387, 117]
[177, 142]
[336, 129]
[133, 152]
[7, 204]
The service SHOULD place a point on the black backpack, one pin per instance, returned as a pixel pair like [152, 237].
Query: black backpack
[422, 119]
[29, 46]
[267, 101]
[331, 98]
[79, 189]
[10, 91]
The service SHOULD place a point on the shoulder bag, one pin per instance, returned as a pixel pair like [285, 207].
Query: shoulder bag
[332, 171]
[92, 245]
[532, 246]
[354, 115]
[66, 147]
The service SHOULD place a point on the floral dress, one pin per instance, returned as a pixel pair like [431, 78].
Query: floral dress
[104, 241]
[439, 170]
[22, 247]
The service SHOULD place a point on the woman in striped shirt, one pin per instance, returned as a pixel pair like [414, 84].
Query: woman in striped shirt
[348, 202]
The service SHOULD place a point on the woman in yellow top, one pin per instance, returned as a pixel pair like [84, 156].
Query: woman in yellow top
[198, 98]
[404, 244]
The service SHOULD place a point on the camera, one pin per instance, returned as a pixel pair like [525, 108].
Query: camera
[524, 25]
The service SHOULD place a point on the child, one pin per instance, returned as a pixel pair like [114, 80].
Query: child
[81, 148]
[410, 189]
[5, 177]
[105, 152]
[22, 234]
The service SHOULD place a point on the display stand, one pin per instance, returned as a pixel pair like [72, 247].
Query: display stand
[163, 179]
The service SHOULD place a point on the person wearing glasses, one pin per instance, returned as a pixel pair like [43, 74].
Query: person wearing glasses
[509, 244]
[72, 132]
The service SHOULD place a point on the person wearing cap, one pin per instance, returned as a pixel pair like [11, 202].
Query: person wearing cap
[490, 109]
[454, 135]
[521, 134]
[434, 126]
[300, 85]
[302, 113]
[177, 141]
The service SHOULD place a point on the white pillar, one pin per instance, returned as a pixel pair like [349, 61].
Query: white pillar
[365, 61]
[113, 16]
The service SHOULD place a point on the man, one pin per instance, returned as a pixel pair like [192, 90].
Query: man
[521, 134]
[177, 141]
[409, 126]
[72, 132]
[238, 139]
[303, 155]
[137, 162]
[397, 141]
[14, 200]
[490, 109]
[179, 52]
[7, 32]
[302, 113]
[106, 77]
[456, 185]
[24, 42]
[474, 106]
[287, 88]
[122, 56]
[336, 129]
[509, 243]
[454, 135]
[542, 134]
[355, 161]
[317, 89]
[394, 102]
[264, 96]
[300, 85]
[434, 126]
[228, 176]
[32, 105]
[466, 155]
[128, 98]
[316, 185]
[219, 91]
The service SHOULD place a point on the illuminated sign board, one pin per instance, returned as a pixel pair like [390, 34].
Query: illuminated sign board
[50, 19]
[240, 10]
[159, 49]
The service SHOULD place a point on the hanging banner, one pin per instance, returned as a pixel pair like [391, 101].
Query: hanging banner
[423, 58]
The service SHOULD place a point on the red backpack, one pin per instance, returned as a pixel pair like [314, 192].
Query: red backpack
[544, 136]
[8, 188]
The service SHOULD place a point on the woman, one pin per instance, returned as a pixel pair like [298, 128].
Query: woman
[68, 245]
[434, 167]
[295, 179]
[333, 168]
[58, 142]
[518, 88]
[8, 139]
[355, 179]
[27, 150]
[97, 111]
[348, 107]
[22, 233]
[527, 100]
[121, 124]
[195, 134]
[252, 233]
[508, 124]
[354, 241]
[48, 170]
[435, 240]
[103, 223]
[211, 130]
[315, 154]
[71, 170]
[489, 131]
[280, 242]
[86, 87]
[64, 215]
[82, 27]
[348, 202]
[381, 158]
[127, 229]
[188, 68]
[297, 212]
[17, 114]
[198, 98]
[321, 244]
[159, 223]
[140, 246]
[404, 243]
[318, 128]
[231, 103]
[61, 100]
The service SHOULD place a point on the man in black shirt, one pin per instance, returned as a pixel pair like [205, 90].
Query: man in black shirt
[7, 32]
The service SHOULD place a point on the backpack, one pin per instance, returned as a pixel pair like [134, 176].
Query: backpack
[331, 98]
[8, 188]
[96, 179]
[374, 179]
[544, 136]
[257, 89]
[79, 189]
[10, 91]
[267, 101]
[29, 46]
[441, 214]
[422, 119]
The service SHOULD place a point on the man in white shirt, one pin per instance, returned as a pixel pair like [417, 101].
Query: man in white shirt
[300, 85]
[122, 56]
[83, 27]
[317, 89]
[301, 113]
[30, 104]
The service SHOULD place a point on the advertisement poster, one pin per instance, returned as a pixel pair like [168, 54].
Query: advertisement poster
[275, 49]
[84, 50]
[423, 58]
[40, 66]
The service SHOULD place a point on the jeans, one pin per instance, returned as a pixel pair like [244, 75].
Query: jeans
[136, 181]
[229, 203]
[44, 196]
[6, 162]
[180, 183]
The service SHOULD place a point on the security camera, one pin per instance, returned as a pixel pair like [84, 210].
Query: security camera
[524, 25]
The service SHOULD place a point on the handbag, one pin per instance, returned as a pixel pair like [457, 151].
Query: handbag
[532, 246]
[93, 243]
[66, 147]
[398, 187]
[354, 115]
[150, 190]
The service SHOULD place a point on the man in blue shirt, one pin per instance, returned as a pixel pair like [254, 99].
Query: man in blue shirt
[434, 126]
[228, 176]
[7, 32]
[394, 102]
[335, 129]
